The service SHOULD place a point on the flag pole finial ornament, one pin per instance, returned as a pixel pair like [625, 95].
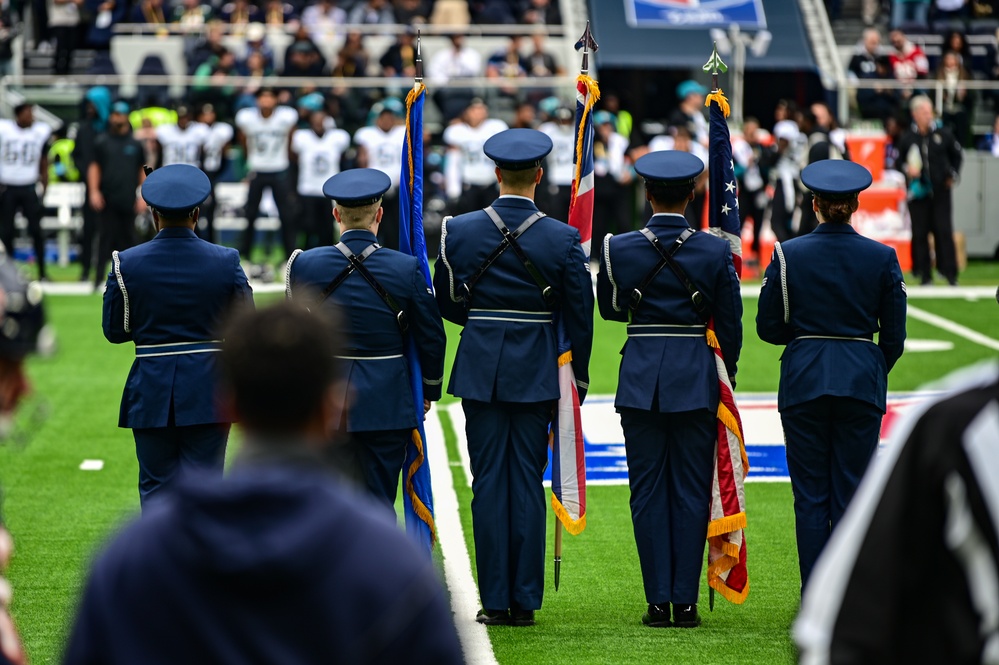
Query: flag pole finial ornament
[419, 60]
[716, 66]
[587, 44]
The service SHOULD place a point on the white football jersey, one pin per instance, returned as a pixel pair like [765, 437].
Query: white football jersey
[318, 158]
[182, 146]
[475, 167]
[267, 138]
[560, 160]
[384, 149]
[216, 139]
[21, 151]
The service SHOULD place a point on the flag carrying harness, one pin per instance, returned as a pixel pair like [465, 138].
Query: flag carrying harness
[696, 297]
[356, 262]
[510, 242]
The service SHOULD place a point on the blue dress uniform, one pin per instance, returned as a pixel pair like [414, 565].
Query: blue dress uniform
[506, 369]
[825, 296]
[667, 391]
[169, 297]
[381, 418]
[275, 564]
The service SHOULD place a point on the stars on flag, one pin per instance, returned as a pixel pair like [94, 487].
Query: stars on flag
[730, 186]
[725, 208]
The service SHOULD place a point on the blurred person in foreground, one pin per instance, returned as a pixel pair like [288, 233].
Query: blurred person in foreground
[923, 526]
[279, 562]
[824, 297]
[385, 300]
[169, 297]
[22, 331]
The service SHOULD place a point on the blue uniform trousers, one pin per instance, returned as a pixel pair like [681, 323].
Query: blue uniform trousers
[165, 452]
[508, 450]
[380, 456]
[670, 467]
[830, 441]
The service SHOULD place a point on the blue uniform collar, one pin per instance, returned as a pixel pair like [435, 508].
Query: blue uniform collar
[512, 201]
[176, 232]
[358, 234]
[827, 227]
[668, 220]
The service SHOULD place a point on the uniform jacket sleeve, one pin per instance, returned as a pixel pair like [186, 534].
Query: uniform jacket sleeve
[242, 292]
[577, 311]
[728, 313]
[445, 283]
[891, 314]
[115, 304]
[954, 152]
[606, 288]
[770, 324]
[428, 330]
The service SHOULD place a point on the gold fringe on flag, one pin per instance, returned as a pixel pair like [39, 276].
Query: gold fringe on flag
[726, 416]
[419, 507]
[411, 98]
[718, 96]
[592, 95]
[575, 527]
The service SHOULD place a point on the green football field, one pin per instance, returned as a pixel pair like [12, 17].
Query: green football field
[59, 514]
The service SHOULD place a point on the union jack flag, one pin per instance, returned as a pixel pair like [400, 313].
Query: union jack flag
[727, 571]
[568, 458]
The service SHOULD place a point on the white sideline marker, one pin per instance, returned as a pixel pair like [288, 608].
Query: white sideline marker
[475, 644]
[952, 327]
[91, 465]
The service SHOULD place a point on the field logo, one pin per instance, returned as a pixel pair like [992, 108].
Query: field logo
[695, 13]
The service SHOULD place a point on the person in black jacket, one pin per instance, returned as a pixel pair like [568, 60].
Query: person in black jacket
[930, 157]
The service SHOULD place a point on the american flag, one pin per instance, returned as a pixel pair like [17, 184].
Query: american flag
[568, 458]
[727, 571]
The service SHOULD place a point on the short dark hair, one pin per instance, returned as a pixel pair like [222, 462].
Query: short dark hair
[277, 364]
[667, 193]
[21, 108]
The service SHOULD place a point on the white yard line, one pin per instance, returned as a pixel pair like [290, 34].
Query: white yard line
[474, 638]
[458, 420]
[951, 327]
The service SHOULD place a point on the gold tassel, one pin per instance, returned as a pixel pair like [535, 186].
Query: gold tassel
[419, 507]
[411, 98]
[718, 96]
[592, 95]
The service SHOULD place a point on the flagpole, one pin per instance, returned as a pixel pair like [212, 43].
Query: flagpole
[714, 65]
[419, 62]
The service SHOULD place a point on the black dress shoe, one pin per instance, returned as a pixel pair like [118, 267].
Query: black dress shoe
[657, 616]
[493, 617]
[685, 616]
[521, 617]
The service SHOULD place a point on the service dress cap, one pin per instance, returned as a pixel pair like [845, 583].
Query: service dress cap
[836, 178]
[518, 149]
[357, 187]
[177, 188]
[674, 167]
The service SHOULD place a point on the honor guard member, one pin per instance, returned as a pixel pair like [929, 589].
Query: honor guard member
[506, 273]
[383, 297]
[169, 297]
[666, 281]
[23, 164]
[825, 296]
